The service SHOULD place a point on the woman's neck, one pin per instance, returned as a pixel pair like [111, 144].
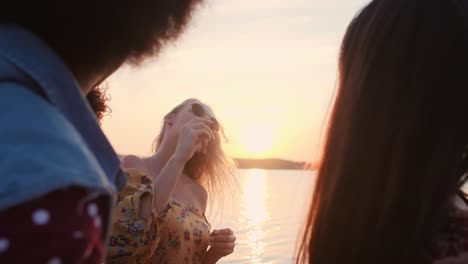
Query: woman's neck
[155, 163]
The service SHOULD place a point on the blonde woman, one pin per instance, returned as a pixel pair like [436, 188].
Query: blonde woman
[160, 215]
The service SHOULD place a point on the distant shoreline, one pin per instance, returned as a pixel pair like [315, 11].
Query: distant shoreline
[268, 164]
[272, 164]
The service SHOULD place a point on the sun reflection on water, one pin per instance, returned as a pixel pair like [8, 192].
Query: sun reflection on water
[255, 213]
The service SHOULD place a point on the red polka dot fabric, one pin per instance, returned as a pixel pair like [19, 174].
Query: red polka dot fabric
[66, 226]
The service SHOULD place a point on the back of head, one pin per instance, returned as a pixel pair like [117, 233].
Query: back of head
[396, 135]
[95, 34]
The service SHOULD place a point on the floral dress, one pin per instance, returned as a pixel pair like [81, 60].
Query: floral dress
[179, 235]
[184, 237]
[133, 239]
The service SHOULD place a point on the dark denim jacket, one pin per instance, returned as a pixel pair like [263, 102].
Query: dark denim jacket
[49, 136]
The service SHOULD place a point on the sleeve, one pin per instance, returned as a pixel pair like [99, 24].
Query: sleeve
[134, 239]
[61, 227]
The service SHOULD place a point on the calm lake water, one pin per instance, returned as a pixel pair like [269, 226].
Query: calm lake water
[266, 214]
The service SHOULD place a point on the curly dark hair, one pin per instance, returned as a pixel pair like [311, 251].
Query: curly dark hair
[94, 34]
[98, 99]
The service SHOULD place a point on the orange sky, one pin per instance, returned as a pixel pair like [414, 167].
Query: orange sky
[266, 67]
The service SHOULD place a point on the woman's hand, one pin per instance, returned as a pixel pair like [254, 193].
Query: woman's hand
[222, 243]
[193, 137]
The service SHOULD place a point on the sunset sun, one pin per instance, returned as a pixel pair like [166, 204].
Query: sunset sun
[257, 140]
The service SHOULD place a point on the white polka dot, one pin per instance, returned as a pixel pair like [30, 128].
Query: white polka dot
[41, 217]
[55, 260]
[78, 234]
[92, 209]
[4, 244]
[97, 222]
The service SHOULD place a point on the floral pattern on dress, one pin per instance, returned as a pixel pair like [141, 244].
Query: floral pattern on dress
[179, 235]
[134, 239]
[184, 236]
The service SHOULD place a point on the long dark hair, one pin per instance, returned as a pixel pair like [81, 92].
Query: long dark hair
[396, 135]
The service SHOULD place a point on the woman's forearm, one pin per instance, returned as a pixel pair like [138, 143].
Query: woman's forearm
[166, 182]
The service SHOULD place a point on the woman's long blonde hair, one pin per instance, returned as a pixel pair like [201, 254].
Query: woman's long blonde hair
[213, 170]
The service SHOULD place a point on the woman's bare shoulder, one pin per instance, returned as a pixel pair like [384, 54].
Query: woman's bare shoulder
[132, 162]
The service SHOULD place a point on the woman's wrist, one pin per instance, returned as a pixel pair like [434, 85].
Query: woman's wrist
[210, 258]
[178, 159]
